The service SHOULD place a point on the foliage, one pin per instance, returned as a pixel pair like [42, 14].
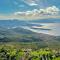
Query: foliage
[12, 53]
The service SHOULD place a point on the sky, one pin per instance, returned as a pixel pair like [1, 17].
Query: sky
[29, 9]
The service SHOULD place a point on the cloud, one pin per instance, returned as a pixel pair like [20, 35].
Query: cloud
[19, 13]
[33, 4]
[52, 29]
[53, 10]
[49, 12]
[30, 2]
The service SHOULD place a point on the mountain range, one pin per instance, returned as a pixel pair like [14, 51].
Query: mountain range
[12, 31]
[11, 23]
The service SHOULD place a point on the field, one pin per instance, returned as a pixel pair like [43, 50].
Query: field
[12, 51]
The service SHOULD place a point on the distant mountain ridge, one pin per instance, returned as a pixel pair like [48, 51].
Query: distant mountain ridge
[47, 20]
[15, 22]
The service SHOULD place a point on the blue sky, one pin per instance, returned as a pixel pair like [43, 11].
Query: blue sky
[17, 6]
[9, 6]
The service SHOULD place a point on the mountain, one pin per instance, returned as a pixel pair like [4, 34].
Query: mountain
[47, 21]
[13, 31]
[19, 34]
[11, 23]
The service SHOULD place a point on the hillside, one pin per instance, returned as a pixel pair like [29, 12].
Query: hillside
[24, 35]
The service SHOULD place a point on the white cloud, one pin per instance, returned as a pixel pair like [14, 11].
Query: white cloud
[33, 4]
[47, 11]
[30, 2]
[52, 10]
[19, 13]
[53, 26]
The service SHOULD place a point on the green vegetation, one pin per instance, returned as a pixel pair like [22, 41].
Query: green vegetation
[13, 51]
